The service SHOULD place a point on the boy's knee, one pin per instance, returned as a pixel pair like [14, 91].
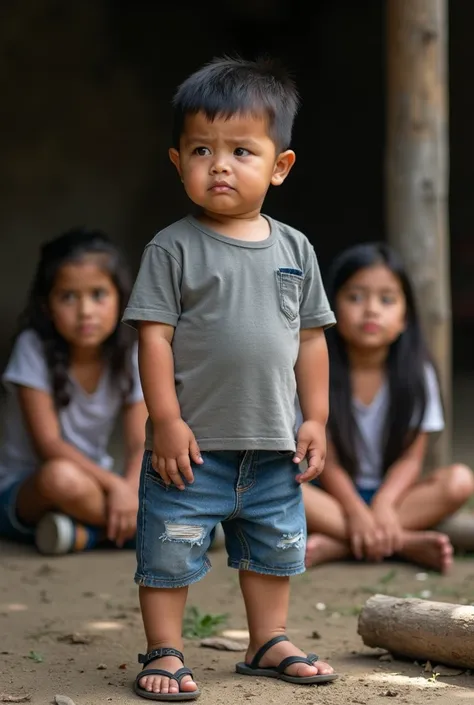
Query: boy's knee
[460, 484]
[60, 478]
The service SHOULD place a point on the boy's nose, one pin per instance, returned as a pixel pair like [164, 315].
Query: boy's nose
[219, 167]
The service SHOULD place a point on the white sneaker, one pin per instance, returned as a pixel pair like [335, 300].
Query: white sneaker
[55, 534]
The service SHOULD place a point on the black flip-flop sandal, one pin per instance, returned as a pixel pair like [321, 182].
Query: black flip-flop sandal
[254, 669]
[145, 659]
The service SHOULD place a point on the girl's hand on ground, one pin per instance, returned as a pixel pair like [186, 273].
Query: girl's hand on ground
[175, 447]
[387, 520]
[311, 444]
[365, 537]
[122, 508]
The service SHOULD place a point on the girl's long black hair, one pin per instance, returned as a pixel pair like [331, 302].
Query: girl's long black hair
[73, 246]
[406, 364]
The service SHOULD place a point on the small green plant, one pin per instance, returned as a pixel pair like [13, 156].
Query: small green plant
[199, 625]
[380, 585]
[388, 577]
[35, 656]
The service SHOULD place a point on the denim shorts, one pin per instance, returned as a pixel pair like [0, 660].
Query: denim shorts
[366, 495]
[254, 494]
[10, 526]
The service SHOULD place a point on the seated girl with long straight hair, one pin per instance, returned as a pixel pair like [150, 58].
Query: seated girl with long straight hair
[371, 501]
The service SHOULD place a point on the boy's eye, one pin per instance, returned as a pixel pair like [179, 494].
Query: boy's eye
[202, 151]
[241, 152]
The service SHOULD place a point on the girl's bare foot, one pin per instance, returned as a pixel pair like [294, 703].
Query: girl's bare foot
[280, 651]
[324, 549]
[429, 549]
[161, 684]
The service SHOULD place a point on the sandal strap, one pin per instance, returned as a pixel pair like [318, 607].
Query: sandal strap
[154, 672]
[178, 676]
[263, 650]
[290, 660]
[312, 657]
[145, 659]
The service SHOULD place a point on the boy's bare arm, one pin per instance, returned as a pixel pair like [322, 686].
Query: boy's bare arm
[312, 379]
[155, 359]
[174, 444]
[312, 375]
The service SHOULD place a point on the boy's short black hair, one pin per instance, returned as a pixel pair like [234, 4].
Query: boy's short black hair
[231, 86]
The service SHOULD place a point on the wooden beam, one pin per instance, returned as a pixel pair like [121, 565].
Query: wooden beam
[417, 170]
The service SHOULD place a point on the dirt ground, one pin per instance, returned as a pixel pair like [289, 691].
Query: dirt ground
[48, 605]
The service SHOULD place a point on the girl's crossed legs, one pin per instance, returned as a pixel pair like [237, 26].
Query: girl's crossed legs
[423, 506]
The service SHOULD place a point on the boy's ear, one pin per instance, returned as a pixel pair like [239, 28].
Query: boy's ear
[174, 156]
[283, 164]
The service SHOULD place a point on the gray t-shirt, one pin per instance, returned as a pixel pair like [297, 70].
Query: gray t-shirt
[86, 422]
[237, 308]
[370, 422]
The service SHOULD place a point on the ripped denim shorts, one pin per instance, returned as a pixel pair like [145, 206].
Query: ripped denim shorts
[253, 494]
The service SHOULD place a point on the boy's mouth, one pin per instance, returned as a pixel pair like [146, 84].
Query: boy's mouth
[220, 187]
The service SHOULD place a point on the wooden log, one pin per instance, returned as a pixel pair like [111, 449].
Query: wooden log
[416, 165]
[439, 632]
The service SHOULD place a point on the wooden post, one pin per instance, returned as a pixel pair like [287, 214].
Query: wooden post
[417, 171]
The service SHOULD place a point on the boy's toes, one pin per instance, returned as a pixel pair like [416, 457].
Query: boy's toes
[152, 684]
[302, 670]
[173, 686]
[323, 669]
[188, 685]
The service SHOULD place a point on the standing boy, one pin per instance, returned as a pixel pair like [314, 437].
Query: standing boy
[230, 310]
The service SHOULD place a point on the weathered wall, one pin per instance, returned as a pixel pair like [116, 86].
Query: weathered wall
[85, 120]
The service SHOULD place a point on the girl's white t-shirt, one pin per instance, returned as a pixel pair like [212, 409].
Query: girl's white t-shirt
[370, 421]
[86, 422]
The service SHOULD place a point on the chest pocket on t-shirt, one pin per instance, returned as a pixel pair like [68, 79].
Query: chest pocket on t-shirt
[290, 283]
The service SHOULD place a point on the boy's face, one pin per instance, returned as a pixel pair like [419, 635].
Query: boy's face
[227, 165]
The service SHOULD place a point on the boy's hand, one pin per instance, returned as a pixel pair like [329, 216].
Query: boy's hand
[311, 444]
[174, 447]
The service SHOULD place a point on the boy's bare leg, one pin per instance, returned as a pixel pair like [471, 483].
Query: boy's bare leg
[62, 486]
[266, 600]
[162, 613]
